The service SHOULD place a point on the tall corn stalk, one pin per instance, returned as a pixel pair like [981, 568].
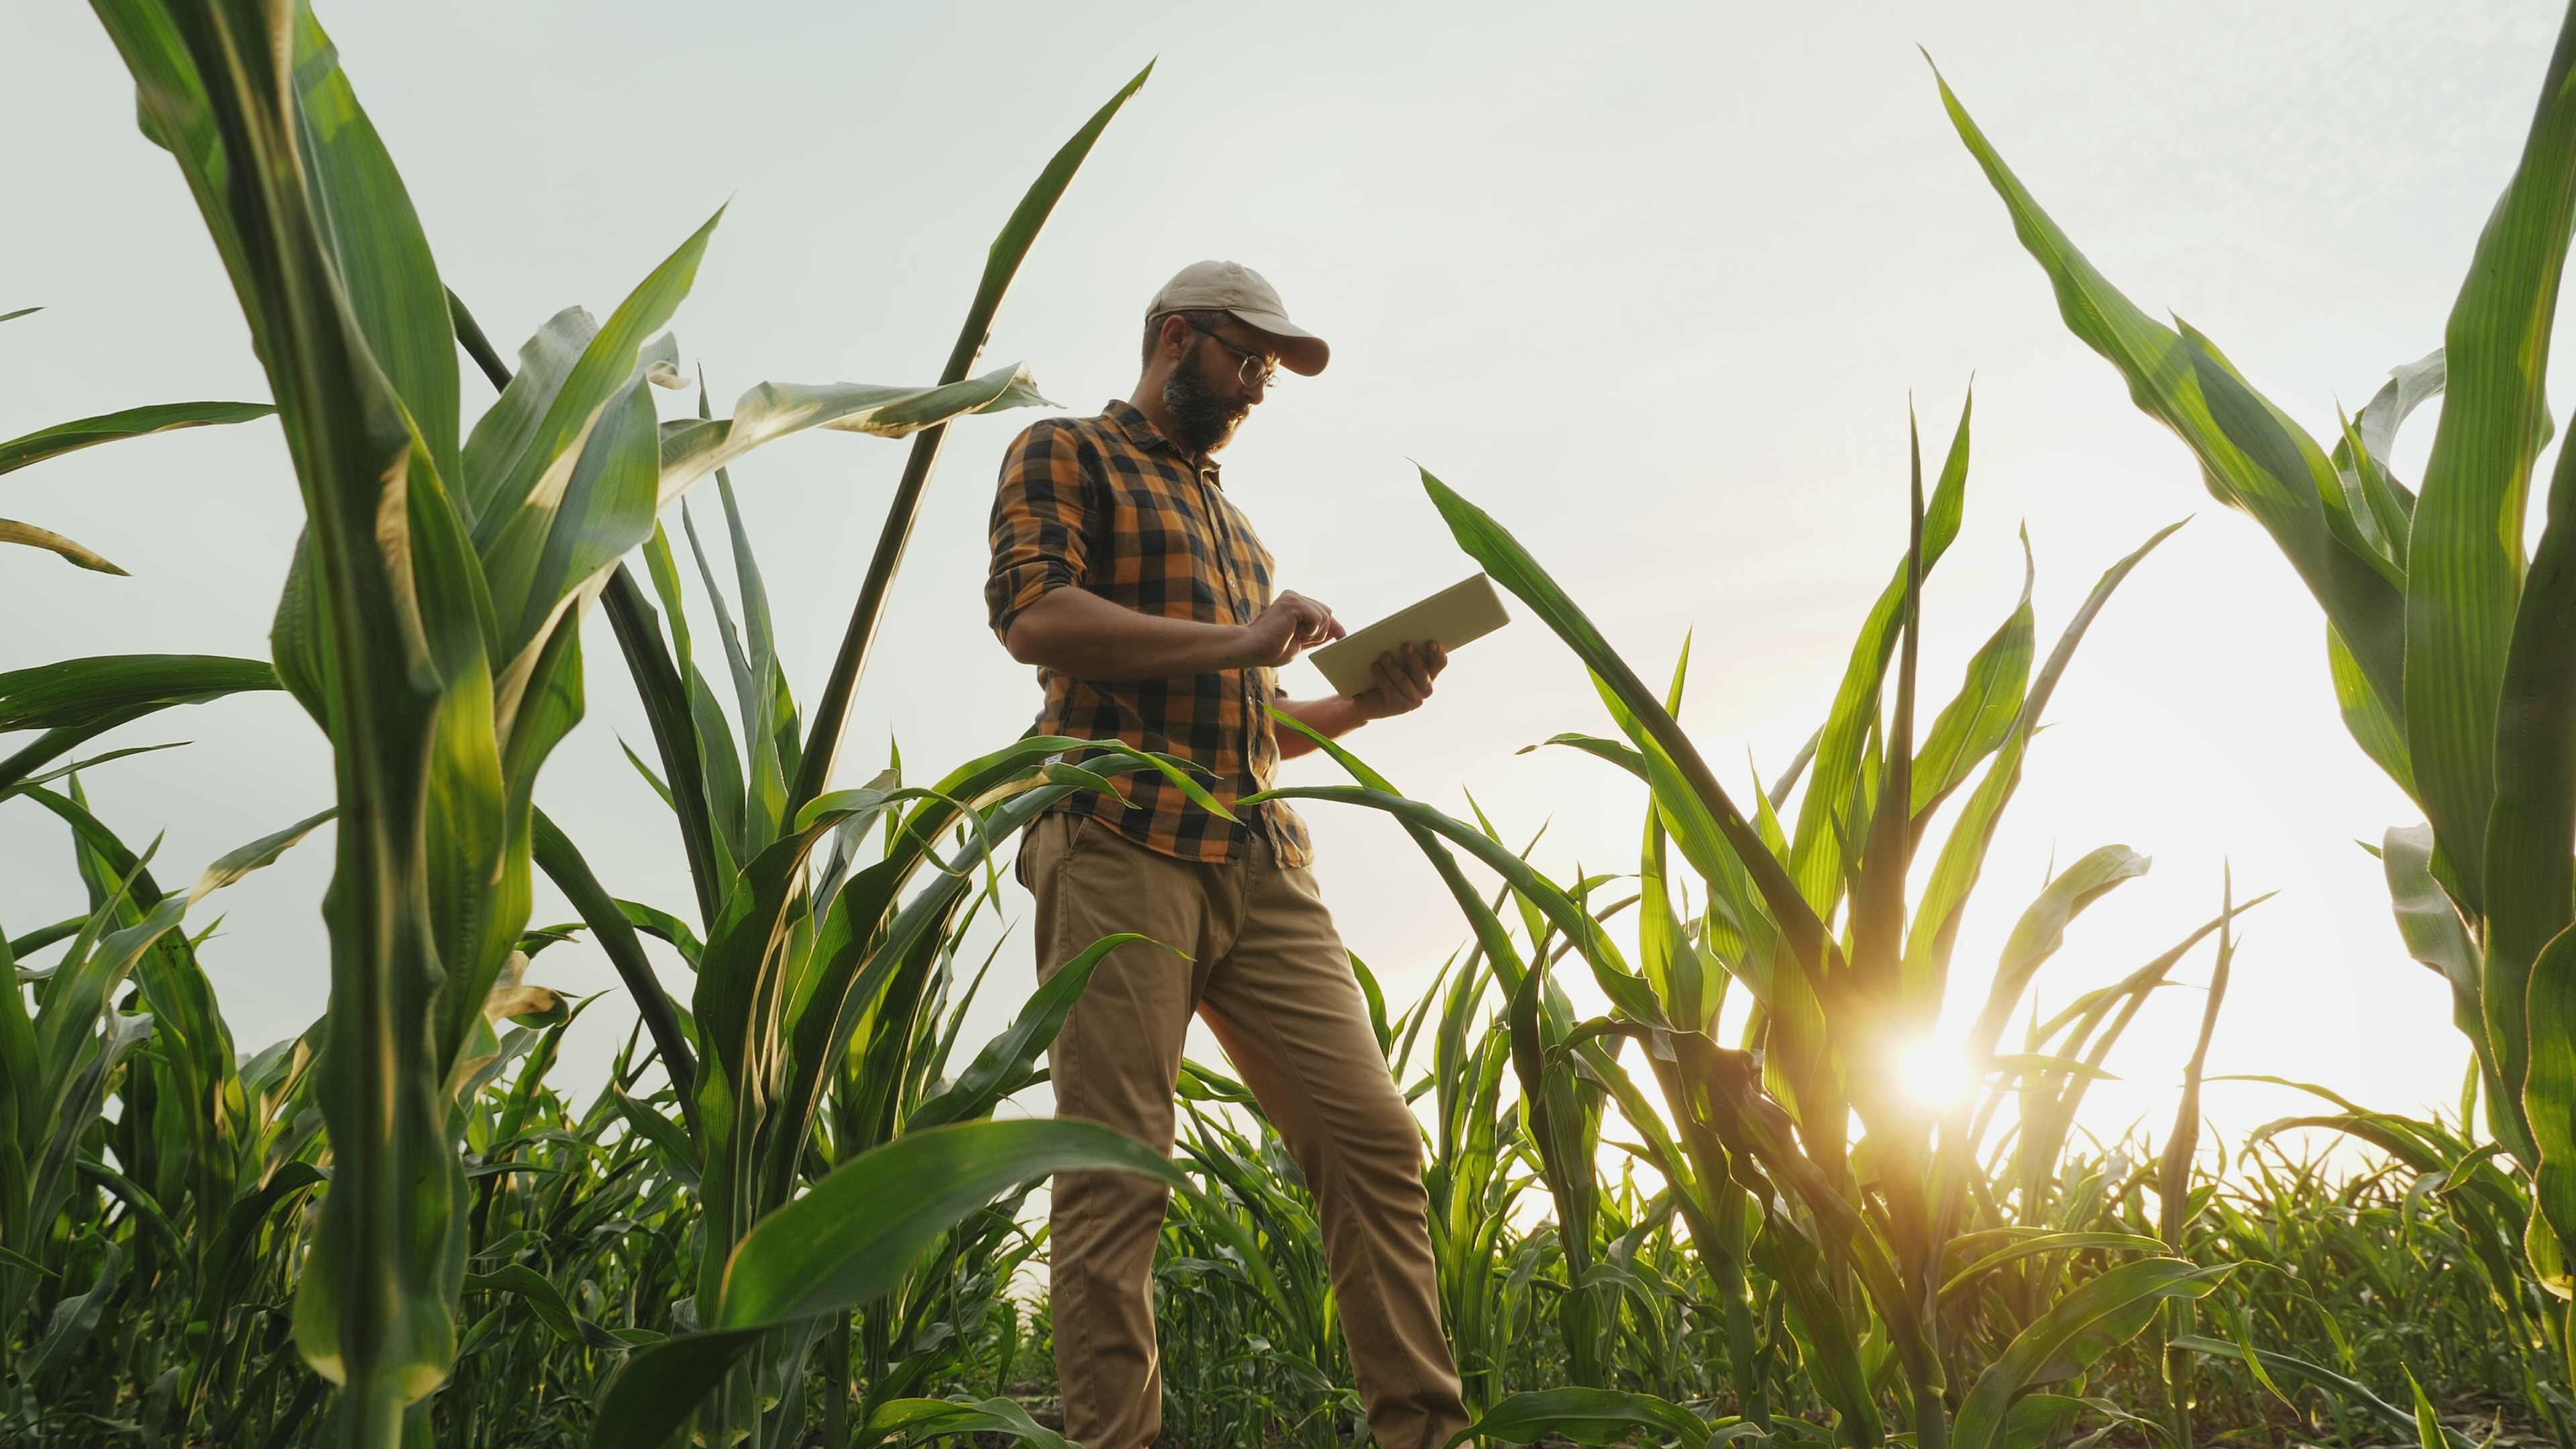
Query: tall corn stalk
[2453, 648]
[431, 622]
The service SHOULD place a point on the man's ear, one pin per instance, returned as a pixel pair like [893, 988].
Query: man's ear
[1177, 336]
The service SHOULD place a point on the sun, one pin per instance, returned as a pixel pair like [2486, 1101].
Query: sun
[1934, 1073]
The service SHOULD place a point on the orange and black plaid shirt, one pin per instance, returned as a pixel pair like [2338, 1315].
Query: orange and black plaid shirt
[1107, 504]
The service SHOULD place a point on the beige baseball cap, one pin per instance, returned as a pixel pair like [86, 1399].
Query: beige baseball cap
[1236, 288]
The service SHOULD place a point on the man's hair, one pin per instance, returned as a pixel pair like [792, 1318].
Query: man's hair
[1202, 317]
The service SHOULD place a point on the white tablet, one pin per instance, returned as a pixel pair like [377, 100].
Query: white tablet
[1451, 617]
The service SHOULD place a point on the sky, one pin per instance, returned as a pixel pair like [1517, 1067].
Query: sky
[1653, 284]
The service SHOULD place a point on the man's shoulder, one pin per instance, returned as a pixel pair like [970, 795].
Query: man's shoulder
[1067, 428]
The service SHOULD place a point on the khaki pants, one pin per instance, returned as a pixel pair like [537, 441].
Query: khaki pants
[1271, 978]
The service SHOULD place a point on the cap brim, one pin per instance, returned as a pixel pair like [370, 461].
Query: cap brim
[1300, 351]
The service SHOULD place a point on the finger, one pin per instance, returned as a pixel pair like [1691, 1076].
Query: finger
[1395, 682]
[1399, 669]
[1418, 669]
[1439, 657]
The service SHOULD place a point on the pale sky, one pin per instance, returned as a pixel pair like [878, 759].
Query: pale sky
[1652, 284]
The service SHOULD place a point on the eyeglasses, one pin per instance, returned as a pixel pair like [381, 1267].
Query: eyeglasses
[1256, 371]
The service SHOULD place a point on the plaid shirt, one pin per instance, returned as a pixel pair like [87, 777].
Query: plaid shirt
[1107, 504]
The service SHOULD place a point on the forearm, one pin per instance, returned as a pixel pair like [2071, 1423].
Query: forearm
[1074, 631]
[1331, 716]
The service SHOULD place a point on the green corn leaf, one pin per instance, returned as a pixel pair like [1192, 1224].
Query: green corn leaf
[1591, 1416]
[74, 1320]
[608, 365]
[63, 438]
[2351, 1390]
[503, 434]
[1976, 722]
[146, 1209]
[848, 1239]
[1828, 837]
[2042, 930]
[667, 699]
[2251, 455]
[2372, 726]
[376, 248]
[2435, 935]
[74, 693]
[2529, 873]
[241, 861]
[660, 1385]
[1511, 565]
[2045, 1242]
[911, 1420]
[531, 1286]
[2549, 1094]
[2428, 1424]
[2465, 573]
[2091, 1320]
[670, 1143]
[1002, 1067]
[2040, 1419]
[662, 925]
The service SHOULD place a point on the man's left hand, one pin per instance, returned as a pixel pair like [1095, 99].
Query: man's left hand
[1403, 680]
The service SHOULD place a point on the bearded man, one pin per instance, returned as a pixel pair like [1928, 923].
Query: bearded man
[1125, 573]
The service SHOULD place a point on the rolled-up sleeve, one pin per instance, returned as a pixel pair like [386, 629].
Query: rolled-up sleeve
[1041, 522]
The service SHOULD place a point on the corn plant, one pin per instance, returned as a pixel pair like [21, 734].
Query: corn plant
[431, 622]
[213, 1153]
[2451, 645]
[1860, 1238]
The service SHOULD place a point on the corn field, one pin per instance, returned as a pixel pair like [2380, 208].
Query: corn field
[1679, 1193]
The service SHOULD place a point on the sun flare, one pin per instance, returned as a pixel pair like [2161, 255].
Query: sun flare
[1933, 1073]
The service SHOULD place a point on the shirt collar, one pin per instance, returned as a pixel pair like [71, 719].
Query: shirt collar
[1132, 421]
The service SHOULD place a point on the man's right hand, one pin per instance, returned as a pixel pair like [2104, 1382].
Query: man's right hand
[1291, 625]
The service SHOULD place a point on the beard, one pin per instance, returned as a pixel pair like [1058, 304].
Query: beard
[1202, 421]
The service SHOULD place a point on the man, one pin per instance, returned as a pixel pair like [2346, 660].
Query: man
[1123, 571]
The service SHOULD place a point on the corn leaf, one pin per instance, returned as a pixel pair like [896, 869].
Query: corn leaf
[1588, 1416]
[1002, 1067]
[2251, 455]
[2465, 574]
[63, 438]
[73, 551]
[2091, 1320]
[72, 693]
[2529, 873]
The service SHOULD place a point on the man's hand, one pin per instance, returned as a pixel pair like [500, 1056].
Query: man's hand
[1291, 625]
[1403, 682]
